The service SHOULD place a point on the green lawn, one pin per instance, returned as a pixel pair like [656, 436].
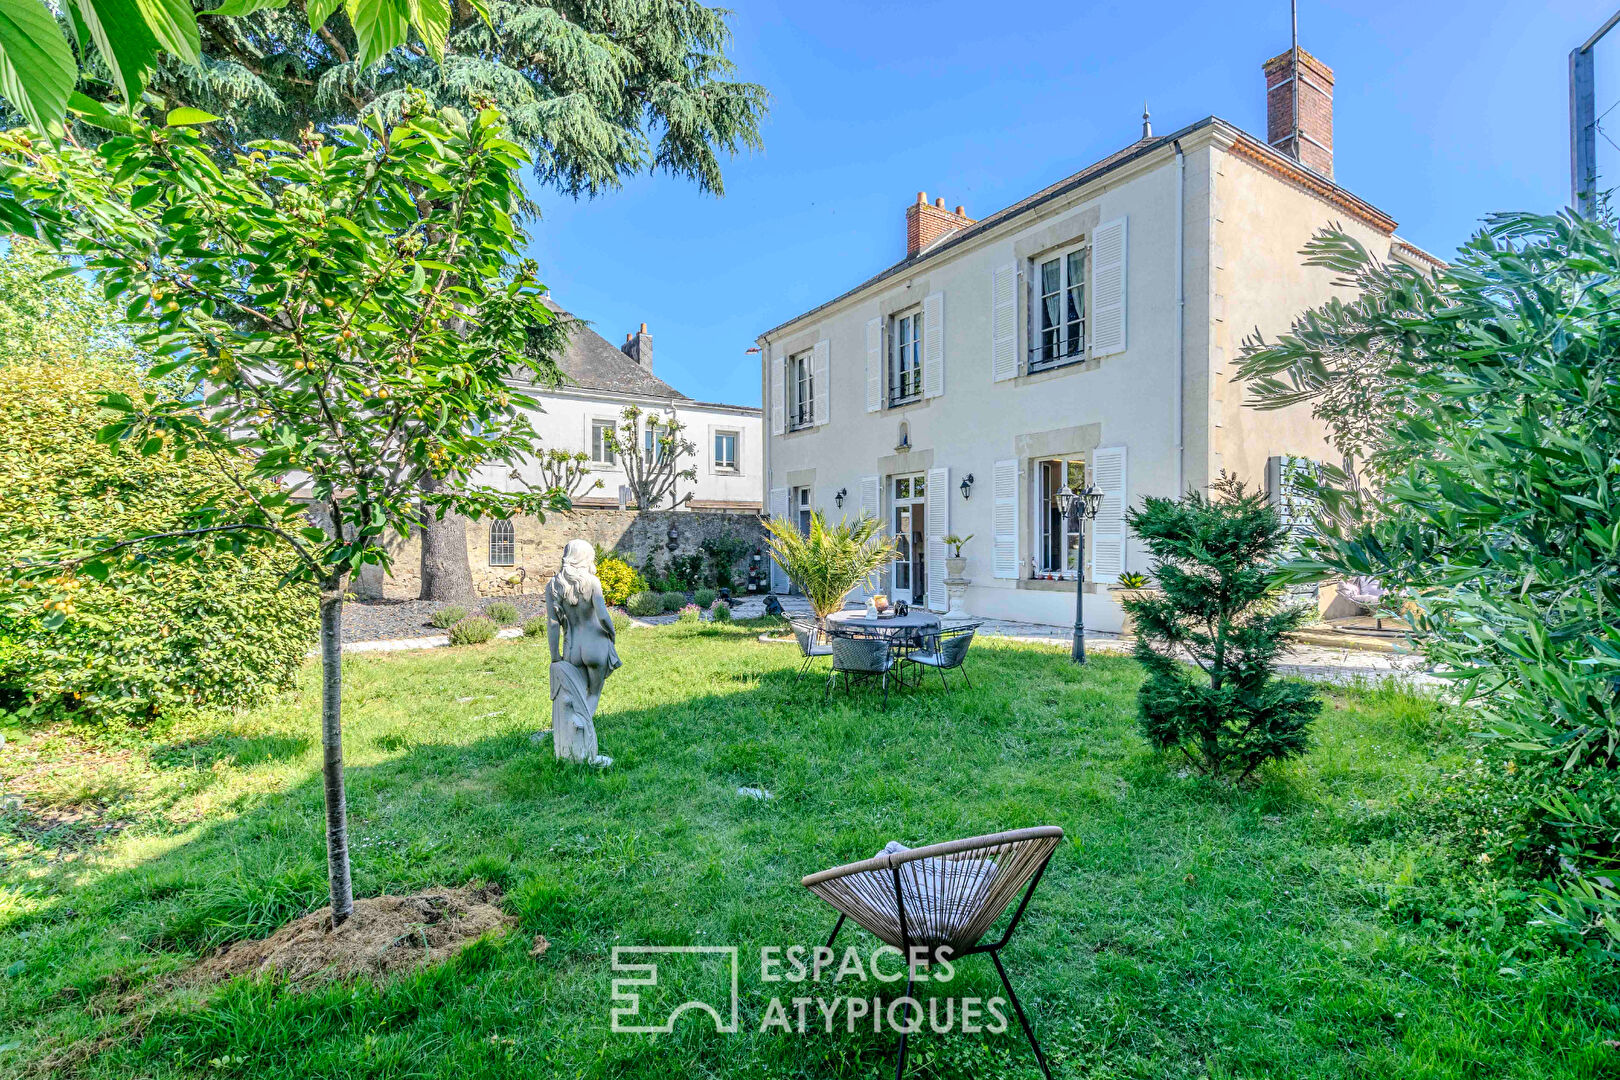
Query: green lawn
[1305, 928]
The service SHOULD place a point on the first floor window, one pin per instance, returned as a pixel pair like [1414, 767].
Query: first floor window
[657, 449]
[905, 359]
[725, 450]
[602, 442]
[801, 391]
[1060, 308]
[502, 543]
[1057, 549]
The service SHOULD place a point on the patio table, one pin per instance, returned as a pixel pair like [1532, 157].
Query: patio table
[910, 628]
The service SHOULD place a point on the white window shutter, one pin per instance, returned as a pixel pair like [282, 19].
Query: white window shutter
[874, 365]
[937, 519]
[778, 507]
[820, 376]
[1004, 520]
[1108, 247]
[1108, 528]
[933, 345]
[869, 487]
[869, 490]
[1004, 322]
[778, 395]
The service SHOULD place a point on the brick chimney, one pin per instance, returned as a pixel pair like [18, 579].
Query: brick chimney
[1314, 147]
[927, 224]
[638, 347]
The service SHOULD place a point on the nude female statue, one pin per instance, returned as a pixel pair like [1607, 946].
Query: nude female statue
[579, 630]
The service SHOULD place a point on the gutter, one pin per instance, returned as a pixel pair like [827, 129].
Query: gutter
[1181, 318]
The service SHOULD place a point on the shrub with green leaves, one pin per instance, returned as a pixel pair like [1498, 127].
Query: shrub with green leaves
[621, 621]
[502, 612]
[1485, 397]
[473, 630]
[220, 629]
[674, 601]
[722, 612]
[1215, 560]
[619, 579]
[689, 613]
[704, 598]
[645, 604]
[447, 616]
[535, 627]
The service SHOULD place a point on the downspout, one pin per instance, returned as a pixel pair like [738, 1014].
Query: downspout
[1181, 316]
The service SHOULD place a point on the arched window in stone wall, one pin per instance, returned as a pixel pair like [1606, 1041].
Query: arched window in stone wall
[502, 543]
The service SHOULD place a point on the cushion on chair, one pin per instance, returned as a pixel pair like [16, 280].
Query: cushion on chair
[940, 893]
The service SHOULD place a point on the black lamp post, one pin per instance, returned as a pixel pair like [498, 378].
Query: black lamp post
[1078, 507]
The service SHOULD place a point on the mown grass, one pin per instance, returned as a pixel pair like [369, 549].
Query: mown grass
[1303, 928]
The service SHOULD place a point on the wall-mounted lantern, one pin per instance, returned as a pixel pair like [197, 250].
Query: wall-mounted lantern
[967, 486]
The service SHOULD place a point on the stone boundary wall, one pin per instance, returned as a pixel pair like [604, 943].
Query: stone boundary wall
[634, 534]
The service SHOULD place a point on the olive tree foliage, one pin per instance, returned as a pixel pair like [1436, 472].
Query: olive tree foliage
[1496, 518]
[345, 316]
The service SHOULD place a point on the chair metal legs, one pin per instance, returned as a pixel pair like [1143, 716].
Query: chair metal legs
[1029, 1032]
[900, 1069]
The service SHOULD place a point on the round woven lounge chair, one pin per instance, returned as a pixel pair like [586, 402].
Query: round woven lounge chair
[944, 898]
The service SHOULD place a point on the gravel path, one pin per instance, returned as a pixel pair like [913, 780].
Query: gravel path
[387, 620]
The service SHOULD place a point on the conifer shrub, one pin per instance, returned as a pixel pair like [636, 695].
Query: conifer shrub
[1219, 604]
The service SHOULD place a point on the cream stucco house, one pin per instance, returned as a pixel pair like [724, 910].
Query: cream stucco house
[1084, 334]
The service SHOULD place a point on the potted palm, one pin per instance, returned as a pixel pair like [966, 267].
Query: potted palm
[829, 561]
[1131, 586]
[955, 564]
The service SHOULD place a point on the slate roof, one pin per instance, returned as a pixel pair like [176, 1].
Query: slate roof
[591, 362]
[1253, 147]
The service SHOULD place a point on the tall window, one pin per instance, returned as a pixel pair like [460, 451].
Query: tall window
[1061, 308]
[656, 449]
[905, 359]
[1057, 550]
[602, 442]
[725, 451]
[802, 502]
[502, 543]
[801, 391]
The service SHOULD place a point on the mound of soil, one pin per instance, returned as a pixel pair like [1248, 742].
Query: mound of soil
[386, 934]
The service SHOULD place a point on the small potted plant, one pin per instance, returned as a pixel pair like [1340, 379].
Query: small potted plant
[955, 564]
[1130, 586]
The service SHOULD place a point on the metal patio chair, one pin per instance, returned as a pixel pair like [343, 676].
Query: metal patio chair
[944, 896]
[861, 657]
[944, 650]
[812, 642]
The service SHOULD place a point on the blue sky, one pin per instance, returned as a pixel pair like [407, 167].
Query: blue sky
[1443, 112]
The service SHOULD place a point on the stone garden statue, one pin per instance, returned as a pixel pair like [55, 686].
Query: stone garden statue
[579, 630]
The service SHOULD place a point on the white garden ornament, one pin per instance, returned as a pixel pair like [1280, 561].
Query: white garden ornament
[579, 630]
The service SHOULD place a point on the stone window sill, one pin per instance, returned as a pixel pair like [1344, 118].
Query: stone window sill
[1038, 585]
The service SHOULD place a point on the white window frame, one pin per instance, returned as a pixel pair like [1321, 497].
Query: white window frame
[803, 508]
[735, 464]
[601, 452]
[1068, 342]
[801, 390]
[502, 543]
[1045, 508]
[904, 370]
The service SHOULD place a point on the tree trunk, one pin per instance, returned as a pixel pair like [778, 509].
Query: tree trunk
[337, 815]
[446, 570]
